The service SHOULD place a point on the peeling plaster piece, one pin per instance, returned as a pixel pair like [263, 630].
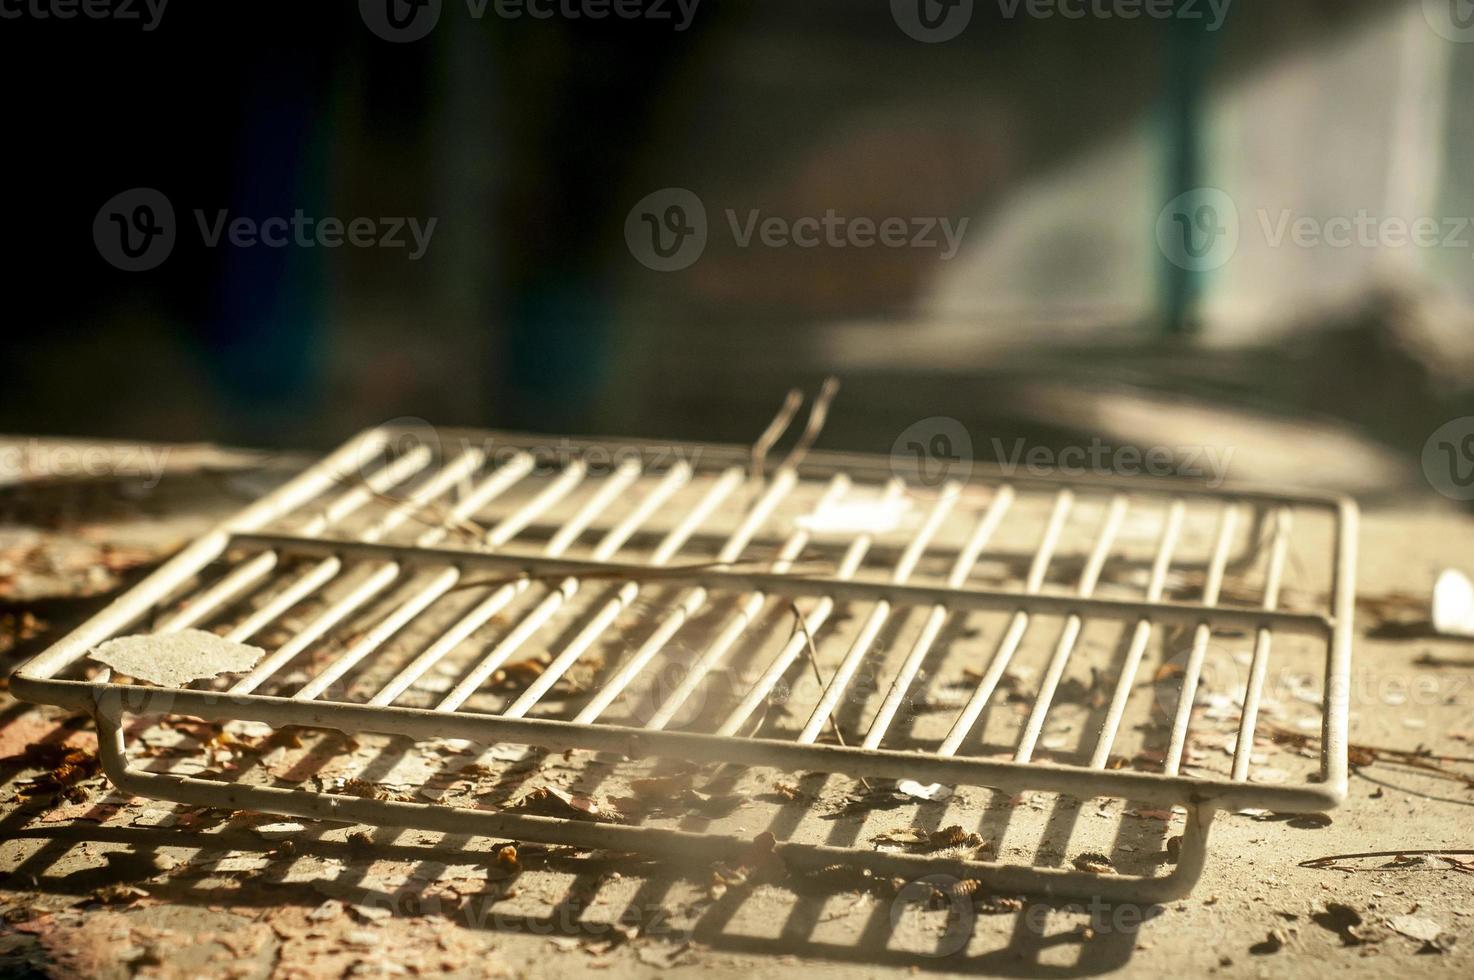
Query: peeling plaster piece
[175, 659]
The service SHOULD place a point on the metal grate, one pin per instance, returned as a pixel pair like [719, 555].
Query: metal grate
[1045, 634]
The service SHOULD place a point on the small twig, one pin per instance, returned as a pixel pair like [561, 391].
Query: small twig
[1409, 754]
[593, 572]
[812, 654]
[1331, 859]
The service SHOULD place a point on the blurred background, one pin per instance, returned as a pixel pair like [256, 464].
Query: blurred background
[1125, 192]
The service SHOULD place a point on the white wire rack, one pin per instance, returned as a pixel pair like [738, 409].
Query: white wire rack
[675, 575]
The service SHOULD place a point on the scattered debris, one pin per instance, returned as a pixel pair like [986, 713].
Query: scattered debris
[98, 811]
[66, 767]
[549, 801]
[176, 659]
[18, 628]
[22, 736]
[519, 674]
[1361, 756]
[787, 792]
[676, 792]
[990, 904]
[935, 840]
[1094, 863]
[757, 862]
[662, 957]
[1300, 821]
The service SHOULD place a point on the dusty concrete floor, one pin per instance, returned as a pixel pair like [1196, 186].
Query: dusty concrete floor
[95, 885]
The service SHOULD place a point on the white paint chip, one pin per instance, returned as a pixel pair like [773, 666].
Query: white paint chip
[176, 659]
[876, 515]
[935, 792]
[280, 831]
[1453, 604]
[1414, 927]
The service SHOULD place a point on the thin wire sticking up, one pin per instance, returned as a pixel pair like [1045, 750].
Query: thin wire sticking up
[765, 442]
[812, 655]
[818, 415]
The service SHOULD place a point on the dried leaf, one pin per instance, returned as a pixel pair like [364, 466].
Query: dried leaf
[935, 840]
[549, 801]
[1096, 864]
[66, 767]
[519, 674]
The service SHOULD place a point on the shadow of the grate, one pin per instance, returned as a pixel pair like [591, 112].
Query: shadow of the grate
[615, 898]
[1034, 939]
